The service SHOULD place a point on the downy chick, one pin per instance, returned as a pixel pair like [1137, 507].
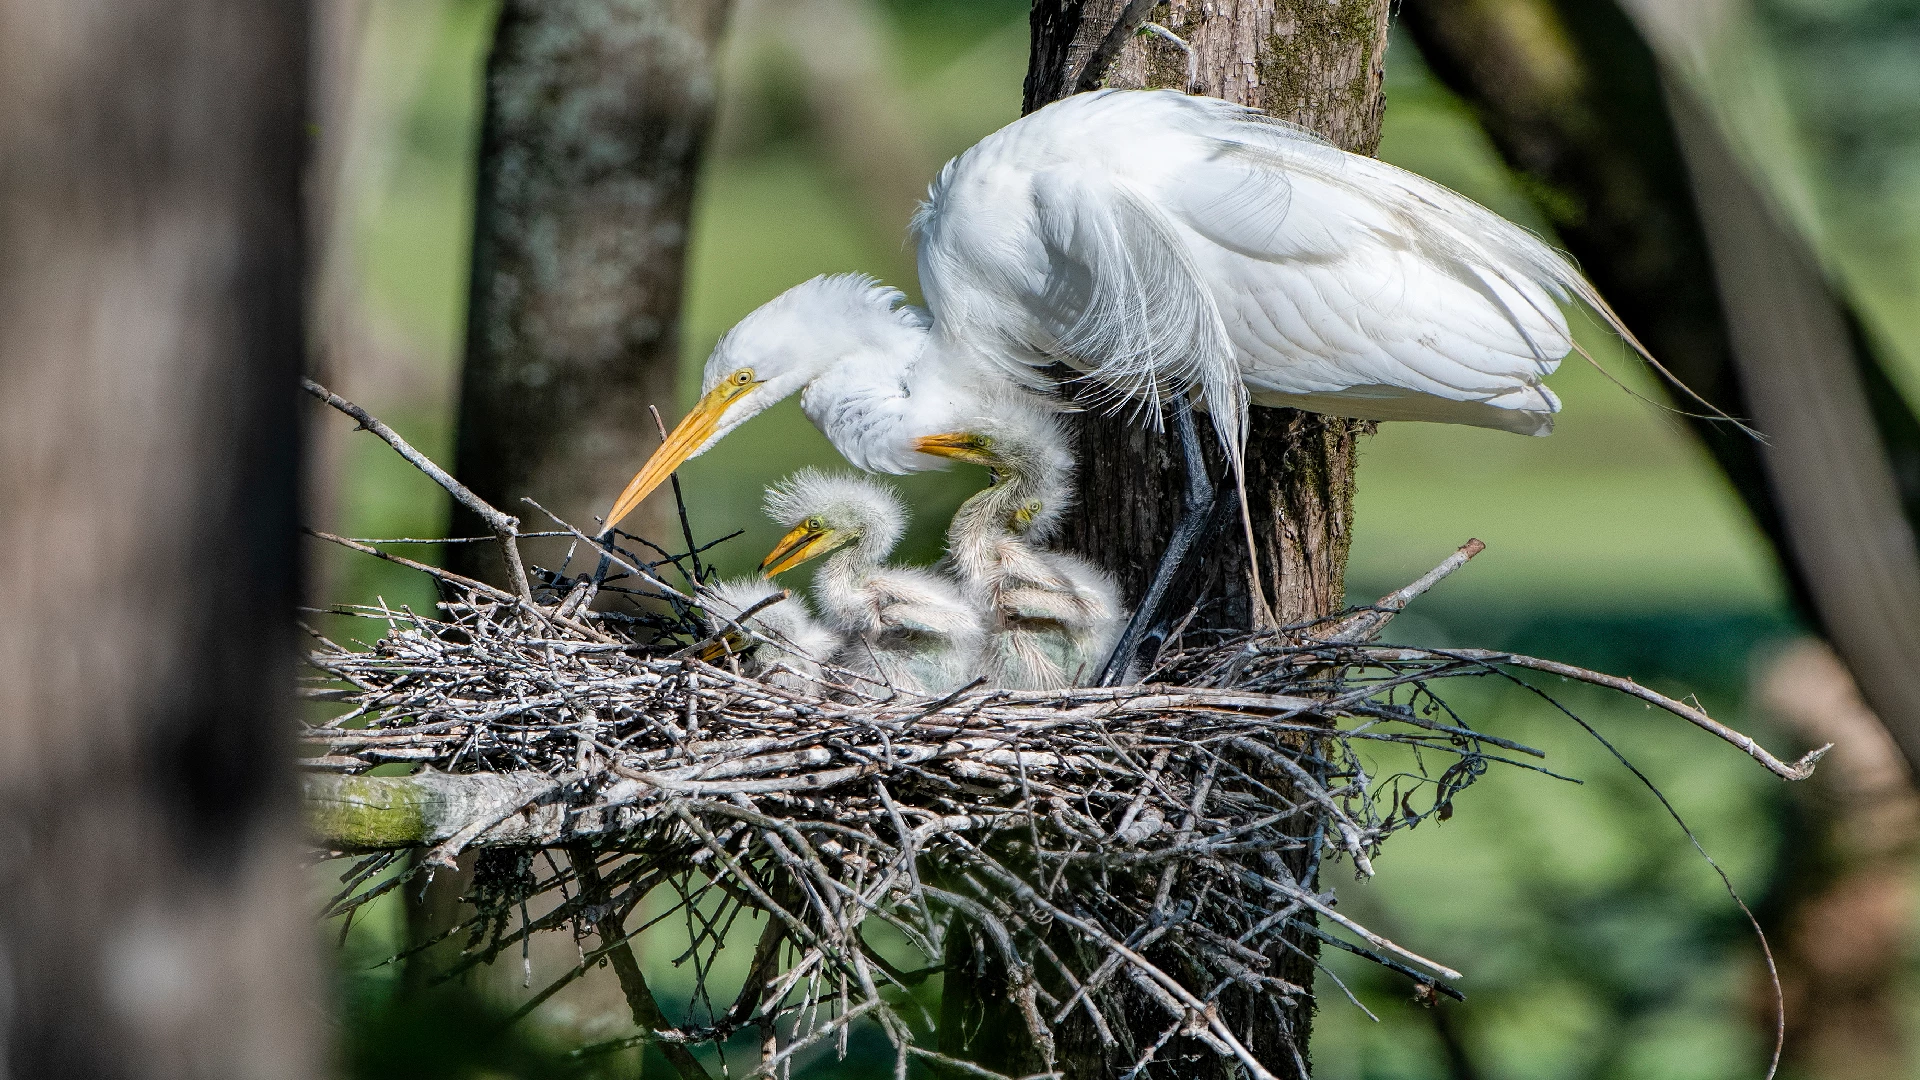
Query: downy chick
[904, 627]
[1053, 616]
[792, 644]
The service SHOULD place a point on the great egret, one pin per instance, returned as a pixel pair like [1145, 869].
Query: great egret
[1054, 616]
[906, 628]
[1172, 248]
[790, 645]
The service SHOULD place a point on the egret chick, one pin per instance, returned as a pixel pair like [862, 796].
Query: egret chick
[904, 627]
[1054, 616]
[790, 646]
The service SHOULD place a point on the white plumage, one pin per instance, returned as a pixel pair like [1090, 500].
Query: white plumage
[791, 645]
[1163, 244]
[1053, 616]
[904, 627]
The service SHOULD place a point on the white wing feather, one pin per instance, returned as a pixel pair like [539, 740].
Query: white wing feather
[1167, 243]
[1125, 301]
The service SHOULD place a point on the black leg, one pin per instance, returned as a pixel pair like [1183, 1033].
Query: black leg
[1149, 625]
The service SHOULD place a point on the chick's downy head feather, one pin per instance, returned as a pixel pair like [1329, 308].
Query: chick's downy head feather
[844, 502]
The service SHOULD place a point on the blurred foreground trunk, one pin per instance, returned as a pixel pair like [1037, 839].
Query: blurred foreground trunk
[1320, 64]
[153, 921]
[1650, 197]
[597, 112]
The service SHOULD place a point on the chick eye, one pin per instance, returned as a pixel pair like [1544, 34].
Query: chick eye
[1033, 507]
[814, 525]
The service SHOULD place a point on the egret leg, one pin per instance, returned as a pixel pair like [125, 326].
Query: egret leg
[1149, 625]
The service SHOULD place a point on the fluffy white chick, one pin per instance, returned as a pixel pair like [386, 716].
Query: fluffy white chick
[906, 628]
[1053, 617]
[788, 646]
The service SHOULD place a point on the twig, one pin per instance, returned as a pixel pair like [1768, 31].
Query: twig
[505, 526]
[633, 981]
[680, 505]
[1365, 625]
[1799, 770]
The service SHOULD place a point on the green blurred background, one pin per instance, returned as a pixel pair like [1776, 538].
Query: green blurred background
[1596, 942]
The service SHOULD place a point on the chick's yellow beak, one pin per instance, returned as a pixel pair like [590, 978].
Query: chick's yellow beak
[682, 443]
[798, 546]
[958, 446]
[733, 641]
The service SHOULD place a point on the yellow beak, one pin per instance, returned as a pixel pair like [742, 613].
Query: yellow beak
[682, 443]
[731, 642]
[957, 445]
[797, 547]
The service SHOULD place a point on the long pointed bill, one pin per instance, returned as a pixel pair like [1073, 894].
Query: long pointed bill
[797, 547]
[956, 445]
[682, 443]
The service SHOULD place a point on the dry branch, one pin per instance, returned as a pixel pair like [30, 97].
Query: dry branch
[506, 527]
[1101, 843]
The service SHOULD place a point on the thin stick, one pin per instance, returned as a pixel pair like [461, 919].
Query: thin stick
[1799, 770]
[506, 527]
[1366, 625]
[633, 981]
[680, 503]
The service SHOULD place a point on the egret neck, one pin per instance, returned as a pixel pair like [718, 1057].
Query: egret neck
[853, 349]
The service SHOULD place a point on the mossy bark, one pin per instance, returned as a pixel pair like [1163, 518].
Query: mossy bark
[597, 112]
[1319, 63]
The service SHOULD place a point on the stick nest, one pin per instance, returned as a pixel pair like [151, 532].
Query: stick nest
[1138, 865]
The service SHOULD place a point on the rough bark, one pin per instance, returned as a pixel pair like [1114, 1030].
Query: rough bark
[597, 111]
[1317, 63]
[153, 921]
[1646, 192]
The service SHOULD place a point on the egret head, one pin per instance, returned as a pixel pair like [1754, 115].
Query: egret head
[1026, 447]
[823, 512]
[771, 354]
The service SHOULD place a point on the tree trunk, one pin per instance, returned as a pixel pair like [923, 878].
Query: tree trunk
[1316, 63]
[1319, 63]
[1841, 907]
[597, 112]
[153, 922]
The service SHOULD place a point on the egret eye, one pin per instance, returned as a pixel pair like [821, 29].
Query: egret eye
[743, 377]
[814, 524]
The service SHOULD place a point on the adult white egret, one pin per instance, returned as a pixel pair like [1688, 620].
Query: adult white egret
[789, 645]
[905, 627]
[1053, 616]
[1173, 248]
